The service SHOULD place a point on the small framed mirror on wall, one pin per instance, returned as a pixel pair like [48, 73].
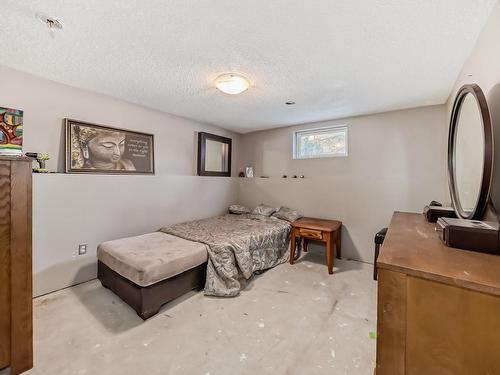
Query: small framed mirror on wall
[214, 155]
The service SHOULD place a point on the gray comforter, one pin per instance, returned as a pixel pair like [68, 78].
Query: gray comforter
[239, 245]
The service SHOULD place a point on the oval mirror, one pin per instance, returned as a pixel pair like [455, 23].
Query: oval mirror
[470, 153]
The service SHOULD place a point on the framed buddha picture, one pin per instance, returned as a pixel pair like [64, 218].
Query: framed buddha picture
[92, 148]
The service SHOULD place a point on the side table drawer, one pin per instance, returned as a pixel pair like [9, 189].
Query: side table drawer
[311, 233]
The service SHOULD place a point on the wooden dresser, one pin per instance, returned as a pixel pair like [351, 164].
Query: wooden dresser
[438, 307]
[16, 347]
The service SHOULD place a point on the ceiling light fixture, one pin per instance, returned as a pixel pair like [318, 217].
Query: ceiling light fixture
[232, 83]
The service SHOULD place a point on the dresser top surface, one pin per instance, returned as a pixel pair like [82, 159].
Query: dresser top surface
[15, 158]
[412, 246]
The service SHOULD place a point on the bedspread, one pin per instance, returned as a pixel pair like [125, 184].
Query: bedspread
[239, 246]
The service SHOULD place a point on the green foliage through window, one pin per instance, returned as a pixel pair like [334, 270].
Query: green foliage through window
[321, 142]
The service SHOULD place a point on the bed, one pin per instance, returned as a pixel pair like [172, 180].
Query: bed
[219, 254]
[238, 246]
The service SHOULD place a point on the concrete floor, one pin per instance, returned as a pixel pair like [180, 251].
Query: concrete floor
[290, 320]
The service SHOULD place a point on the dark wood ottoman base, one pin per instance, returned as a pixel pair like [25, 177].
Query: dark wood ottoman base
[147, 301]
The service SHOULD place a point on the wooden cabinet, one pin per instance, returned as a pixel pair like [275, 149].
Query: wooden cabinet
[438, 307]
[16, 338]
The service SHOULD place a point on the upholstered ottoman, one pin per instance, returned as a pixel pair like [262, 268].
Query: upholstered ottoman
[150, 270]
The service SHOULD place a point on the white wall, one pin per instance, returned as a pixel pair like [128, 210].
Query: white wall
[396, 162]
[483, 68]
[483, 65]
[73, 209]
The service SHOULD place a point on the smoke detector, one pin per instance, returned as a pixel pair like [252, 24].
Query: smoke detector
[51, 23]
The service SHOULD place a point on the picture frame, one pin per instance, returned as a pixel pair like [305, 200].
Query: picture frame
[11, 132]
[98, 149]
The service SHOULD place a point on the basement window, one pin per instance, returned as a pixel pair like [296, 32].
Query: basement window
[325, 142]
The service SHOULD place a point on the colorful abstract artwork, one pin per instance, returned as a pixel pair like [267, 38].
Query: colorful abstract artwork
[11, 131]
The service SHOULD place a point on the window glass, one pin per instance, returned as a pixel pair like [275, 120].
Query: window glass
[317, 143]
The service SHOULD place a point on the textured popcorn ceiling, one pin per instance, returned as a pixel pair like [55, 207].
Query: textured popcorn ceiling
[334, 58]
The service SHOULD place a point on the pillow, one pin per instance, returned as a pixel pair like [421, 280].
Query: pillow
[264, 210]
[238, 209]
[285, 213]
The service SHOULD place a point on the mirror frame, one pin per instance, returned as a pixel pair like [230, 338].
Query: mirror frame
[202, 142]
[484, 190]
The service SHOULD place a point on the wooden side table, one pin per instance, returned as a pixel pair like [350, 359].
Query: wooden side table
[328, 231]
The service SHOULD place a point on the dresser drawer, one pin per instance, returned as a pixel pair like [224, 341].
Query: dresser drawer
[311, 233]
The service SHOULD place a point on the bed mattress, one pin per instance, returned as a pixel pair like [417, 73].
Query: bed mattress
[238, 246]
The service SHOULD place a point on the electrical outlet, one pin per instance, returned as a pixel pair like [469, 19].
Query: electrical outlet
[82, 249]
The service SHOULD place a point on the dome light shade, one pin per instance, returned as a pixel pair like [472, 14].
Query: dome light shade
[232, 83]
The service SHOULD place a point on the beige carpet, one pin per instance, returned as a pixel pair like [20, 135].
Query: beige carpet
[290, 320]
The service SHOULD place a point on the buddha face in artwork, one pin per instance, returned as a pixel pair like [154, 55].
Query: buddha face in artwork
[107, 147]
[104, 149]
